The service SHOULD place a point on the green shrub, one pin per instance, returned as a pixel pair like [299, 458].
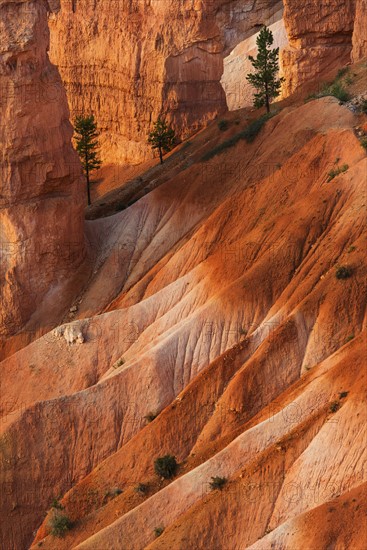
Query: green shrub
[251, 131]
[343, 394]
[334, 406]
[59, 524]
[142, 488]
[349, 338]
[158, 531]
[363, 142]
[217, 483]
[342, 72]
[223, 125]
[119, 363]
[351, 249]
[349, 80]
[219, 148]
[56, 504]
[248, 134]
[364, 106]
[166, 466]
[336, 171]
[337, 90]
[343, 272]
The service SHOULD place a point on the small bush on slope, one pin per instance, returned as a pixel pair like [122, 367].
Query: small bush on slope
[223, 125]
[336, 171]
[336, 88]
[142, 488]
[217, 483]
[166, 466]
[343, 272]
[59, 524]
[56, 504]
[249, 134]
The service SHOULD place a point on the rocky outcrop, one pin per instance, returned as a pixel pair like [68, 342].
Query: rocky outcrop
[42, 198]
[360, 32]
[127, 62]
[320, 40]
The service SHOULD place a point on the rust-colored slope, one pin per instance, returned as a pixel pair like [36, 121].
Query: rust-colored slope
[239, 252]
[276, 470]
[340, 522]
[42, 243]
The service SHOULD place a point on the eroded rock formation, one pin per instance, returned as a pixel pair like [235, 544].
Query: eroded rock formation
[127, 62]
[220, 312]
[213, 326]
[360, 32]
[42, 198]
[320, 40]
[134, 60]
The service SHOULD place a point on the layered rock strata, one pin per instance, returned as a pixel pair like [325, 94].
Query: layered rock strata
[128, 62]
[320, 40]
[41, 194]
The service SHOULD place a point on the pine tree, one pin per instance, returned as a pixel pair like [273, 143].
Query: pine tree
[161, 138]
[87, 145]
[267, 66]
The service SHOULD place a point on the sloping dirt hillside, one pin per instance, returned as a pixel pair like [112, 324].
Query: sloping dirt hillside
[224, 324]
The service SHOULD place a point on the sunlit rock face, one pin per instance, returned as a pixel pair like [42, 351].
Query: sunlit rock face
[360, 33]
[320, 39]
[237, 65]
[127, 62]
[41, 194]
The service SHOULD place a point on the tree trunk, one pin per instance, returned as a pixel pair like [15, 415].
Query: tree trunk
[267, 102]
[88, 187]
[160, 155]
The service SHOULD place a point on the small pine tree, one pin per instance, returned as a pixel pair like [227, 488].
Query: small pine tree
[86, 145]
[161, 138]
[266, 65]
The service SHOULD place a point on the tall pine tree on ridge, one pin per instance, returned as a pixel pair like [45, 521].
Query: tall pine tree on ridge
[266, 65]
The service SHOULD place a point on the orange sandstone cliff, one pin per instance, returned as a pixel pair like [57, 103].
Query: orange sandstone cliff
[127, 62]
[360, 34]
[42, 193]
[320, 39]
